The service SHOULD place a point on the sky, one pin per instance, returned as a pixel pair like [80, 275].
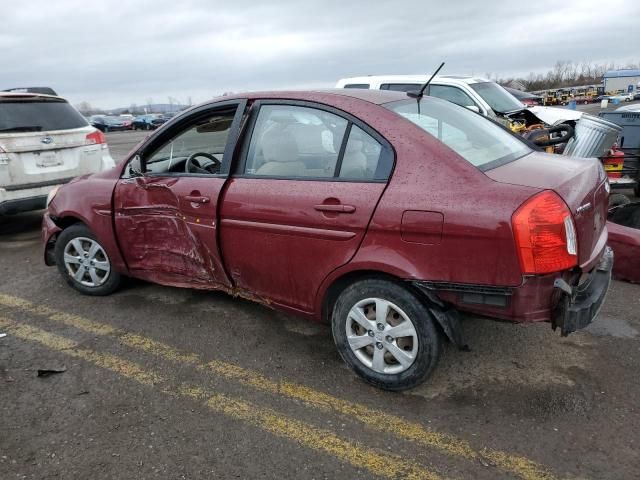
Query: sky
[114, 54]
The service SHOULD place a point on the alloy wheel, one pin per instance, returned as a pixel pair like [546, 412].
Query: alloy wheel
[382, 336]
[86, 261]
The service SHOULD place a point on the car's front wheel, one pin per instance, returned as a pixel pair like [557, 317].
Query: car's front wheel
[385, 334]
[84, 263]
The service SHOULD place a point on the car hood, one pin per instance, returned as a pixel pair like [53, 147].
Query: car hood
[553, 116]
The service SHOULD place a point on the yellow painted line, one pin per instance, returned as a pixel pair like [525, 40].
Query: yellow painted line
[372, 418]
[375, 461]
[62, 344]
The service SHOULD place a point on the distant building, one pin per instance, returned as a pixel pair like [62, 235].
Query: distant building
[627, 80]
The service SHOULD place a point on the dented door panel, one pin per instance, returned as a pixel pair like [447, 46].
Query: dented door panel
[167, 237]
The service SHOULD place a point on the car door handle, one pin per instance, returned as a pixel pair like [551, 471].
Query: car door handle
[197, 199]
[335, 208]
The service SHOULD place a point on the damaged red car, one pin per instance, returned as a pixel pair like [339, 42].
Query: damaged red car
[381, 214]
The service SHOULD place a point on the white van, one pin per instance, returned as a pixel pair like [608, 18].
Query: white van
[44, 142]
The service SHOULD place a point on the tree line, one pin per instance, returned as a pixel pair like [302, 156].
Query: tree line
[565, 73]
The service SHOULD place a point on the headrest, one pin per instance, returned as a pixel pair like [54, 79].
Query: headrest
[279, 146]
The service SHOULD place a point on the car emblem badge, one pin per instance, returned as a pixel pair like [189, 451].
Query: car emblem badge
[583, 208]
[47, 140]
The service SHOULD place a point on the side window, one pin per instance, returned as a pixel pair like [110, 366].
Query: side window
[197, 149]
[452, 94]
[357, 85]
[400, 87]
[292, 141]
[361, 156]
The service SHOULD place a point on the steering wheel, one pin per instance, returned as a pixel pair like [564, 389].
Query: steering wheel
[210, 165]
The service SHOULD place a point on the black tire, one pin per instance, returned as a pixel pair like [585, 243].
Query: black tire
[618, 199]
[75, 231]
[427, 335]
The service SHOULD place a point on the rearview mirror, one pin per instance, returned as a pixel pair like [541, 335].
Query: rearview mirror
[473, 108]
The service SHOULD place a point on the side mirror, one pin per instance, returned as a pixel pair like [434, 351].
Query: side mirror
[473, 108]
[134, 169]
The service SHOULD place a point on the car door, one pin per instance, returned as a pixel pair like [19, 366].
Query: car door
[166, 216]
[299, 205]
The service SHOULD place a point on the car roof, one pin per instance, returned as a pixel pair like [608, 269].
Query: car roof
[451, 79]
[25, 95]
[377, 97]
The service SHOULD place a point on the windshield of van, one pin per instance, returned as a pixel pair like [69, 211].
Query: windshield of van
[497, 97]
[475, 138]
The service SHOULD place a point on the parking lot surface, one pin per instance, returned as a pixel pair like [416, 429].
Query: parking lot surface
[170, 383]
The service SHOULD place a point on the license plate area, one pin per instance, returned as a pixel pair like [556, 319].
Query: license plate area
[48, 159]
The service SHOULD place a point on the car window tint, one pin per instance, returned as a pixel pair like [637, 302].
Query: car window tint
[357, 85]
[291, 141]
[361, 156]
[400, 87]
[451, 94]
[209, 136]
[38, 115]
[476, 139]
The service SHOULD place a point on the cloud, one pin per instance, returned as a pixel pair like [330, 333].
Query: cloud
[114, 54]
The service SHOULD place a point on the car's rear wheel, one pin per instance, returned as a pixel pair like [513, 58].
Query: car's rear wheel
[385, 334]
[84, 263]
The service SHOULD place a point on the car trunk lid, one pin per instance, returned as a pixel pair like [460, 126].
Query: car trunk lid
[580, 183]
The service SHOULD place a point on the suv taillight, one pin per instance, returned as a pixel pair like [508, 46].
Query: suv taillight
[96, 137]
[545, 234]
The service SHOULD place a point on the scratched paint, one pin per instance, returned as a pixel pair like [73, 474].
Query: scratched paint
[370, 417]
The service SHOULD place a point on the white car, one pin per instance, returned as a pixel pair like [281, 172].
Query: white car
[622, 97]
[477, 94]
[44, 142]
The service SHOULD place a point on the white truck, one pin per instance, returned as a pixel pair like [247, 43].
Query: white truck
[477, 94]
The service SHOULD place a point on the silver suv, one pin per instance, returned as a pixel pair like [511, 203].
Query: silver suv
[44, 142]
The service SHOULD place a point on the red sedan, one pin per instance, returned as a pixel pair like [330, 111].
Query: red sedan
[382, 214]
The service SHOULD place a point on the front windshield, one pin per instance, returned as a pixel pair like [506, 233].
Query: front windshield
[476, 139]
[497, 97]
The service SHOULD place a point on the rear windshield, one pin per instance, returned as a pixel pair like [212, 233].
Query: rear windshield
[476, 139]
[38, 115]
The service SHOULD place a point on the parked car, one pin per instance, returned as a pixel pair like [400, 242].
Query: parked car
[338, 206]
[622, 97]
[624, 238]
[477, 94]
[148, 122]
[44, 142]
[127, 121]
[527, 98]
[636, 95]
[106, 123]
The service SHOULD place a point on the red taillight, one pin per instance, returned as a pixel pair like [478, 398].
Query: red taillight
[95, 138]
[545, 234]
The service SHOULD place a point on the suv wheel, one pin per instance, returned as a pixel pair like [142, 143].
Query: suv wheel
[84, 263]
[385, 334]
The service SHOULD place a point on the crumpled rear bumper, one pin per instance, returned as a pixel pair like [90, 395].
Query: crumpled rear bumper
[580, 304]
